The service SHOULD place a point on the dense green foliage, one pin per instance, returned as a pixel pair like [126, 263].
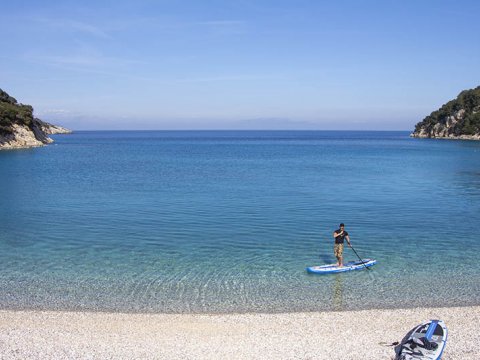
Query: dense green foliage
[11, 112]
[468, 100]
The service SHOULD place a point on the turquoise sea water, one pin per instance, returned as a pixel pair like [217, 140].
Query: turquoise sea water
[227, 221]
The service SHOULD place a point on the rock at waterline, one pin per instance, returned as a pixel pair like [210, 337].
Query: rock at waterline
[20, 129]
[457, 119]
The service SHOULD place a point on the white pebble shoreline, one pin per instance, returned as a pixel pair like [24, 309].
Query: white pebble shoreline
[318, 335]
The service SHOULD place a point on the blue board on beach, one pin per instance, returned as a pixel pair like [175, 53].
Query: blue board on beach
[425, 342]
[333, 268]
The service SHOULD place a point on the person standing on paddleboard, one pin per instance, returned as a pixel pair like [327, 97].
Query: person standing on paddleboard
[340, 235]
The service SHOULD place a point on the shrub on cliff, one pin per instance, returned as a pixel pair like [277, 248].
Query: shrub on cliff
[11, 112]
[468, 100]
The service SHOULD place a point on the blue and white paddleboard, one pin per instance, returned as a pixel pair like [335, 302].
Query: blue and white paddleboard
[333, 268]
[425, 342]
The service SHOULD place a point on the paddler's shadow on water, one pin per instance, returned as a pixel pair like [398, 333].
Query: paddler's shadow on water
[337, 293]
[337, 287]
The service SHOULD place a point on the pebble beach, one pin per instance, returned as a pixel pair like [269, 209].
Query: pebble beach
[317, 335]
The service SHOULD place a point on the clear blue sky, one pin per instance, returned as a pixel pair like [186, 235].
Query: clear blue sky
[356, 64]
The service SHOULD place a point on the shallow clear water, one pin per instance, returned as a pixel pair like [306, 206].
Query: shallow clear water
[228, 221]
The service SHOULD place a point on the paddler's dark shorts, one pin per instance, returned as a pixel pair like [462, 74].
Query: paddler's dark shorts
[338, 250]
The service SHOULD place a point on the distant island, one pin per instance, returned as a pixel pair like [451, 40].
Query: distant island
[457, 119]
[19, 128]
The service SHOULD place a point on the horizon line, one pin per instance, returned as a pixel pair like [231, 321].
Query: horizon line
[245, 130]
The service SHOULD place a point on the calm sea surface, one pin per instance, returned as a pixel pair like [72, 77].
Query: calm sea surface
[227, 221]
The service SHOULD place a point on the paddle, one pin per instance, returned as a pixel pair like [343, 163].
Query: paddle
[366, 267]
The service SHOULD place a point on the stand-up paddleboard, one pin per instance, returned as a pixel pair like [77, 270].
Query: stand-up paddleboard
[333, 268]
[425, 342]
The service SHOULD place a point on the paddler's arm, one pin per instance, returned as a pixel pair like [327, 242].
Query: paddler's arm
[348, 240]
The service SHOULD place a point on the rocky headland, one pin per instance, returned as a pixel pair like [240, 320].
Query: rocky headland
[20, 129]
[457, 119]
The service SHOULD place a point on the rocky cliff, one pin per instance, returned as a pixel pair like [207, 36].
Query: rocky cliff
[19, 128]
[457, 119]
